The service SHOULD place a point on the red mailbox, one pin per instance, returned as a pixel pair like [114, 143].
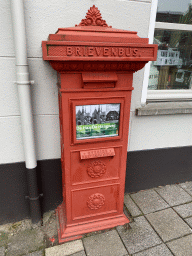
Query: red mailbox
[95, 65]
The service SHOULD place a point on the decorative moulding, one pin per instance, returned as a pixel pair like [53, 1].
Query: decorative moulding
[96, 169]
[97, 66]
[96, 201]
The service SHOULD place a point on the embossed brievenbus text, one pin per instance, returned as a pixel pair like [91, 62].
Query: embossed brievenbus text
[97, 51]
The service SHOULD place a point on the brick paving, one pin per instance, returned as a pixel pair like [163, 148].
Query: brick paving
[161, 225]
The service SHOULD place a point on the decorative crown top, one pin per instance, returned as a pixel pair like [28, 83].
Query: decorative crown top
[93, 18]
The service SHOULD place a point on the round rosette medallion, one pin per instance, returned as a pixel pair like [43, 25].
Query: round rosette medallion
[96, 169]
[96, 201]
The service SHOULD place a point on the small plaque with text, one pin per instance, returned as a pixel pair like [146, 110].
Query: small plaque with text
[97, 153]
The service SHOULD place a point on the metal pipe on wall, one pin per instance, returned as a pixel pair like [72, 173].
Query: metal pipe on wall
[23, 82]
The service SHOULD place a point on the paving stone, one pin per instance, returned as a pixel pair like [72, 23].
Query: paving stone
[189, 221]
[131, 206]
[168, 224]
[187, 186]
[47, 216]
[184, 210]
[149, 201]
[108, 244]
[50, 230]
[160, 250]
[141, 235]
[37, 253]
[5, 227]
[3, 238]
[82, 253]
[65, 249]
[2, 251]
[174, 195]
[25, 242]
[50, 226]
[181, 246]
[16, 226]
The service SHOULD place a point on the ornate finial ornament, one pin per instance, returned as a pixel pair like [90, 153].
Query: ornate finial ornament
[93, 18]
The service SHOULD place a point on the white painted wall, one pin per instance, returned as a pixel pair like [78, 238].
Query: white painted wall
[44, 18]
[160, 131]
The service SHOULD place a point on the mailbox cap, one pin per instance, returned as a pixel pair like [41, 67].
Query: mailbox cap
[93, 41]
[97, 34]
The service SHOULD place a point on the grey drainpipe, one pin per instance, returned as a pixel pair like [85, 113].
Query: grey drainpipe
[23, 82]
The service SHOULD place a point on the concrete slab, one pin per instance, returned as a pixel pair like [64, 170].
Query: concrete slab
[174, 195]
[187, 186]
[108, 244]
[189, 221]
[82, 253]
[37, 253]
[181, 246]
[149, 201]
[2, 251]
[159, 250]
[184, 210]
[65, 249]
[25, 242]
[131, 206]
[141, 235]
[168, 224]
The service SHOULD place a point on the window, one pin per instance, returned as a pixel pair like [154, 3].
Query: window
[169, 78]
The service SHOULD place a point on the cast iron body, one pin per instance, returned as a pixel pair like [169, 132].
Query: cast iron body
[95, 65]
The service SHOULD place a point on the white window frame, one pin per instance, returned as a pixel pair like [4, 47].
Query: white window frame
[162, 95]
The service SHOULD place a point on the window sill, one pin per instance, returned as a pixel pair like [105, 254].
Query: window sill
[166, 108]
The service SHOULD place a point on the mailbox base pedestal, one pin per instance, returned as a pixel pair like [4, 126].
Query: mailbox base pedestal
[72, 232]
